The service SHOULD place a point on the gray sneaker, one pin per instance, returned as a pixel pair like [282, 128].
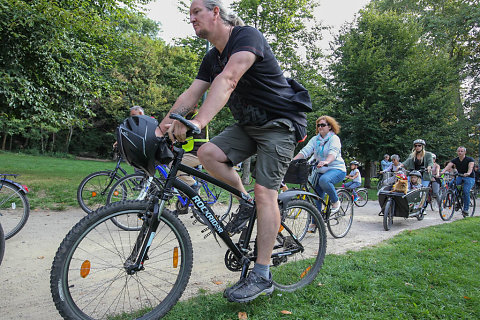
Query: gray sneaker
[249, 288]
[240, 218]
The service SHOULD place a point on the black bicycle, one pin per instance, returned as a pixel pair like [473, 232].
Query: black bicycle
[338, 223]
[14, 205]
[92, 192]
[453, 200]
[101, 271]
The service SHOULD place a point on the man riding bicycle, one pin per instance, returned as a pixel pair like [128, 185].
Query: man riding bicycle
[466, 176]
[242, 71]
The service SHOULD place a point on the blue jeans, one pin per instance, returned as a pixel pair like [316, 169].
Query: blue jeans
[467, 186]
[326, 183]
[353, 185]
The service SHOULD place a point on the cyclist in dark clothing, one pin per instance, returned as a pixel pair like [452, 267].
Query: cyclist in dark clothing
[466, 176]
[242, 72]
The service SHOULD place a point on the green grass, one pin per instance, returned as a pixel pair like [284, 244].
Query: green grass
[52, 182]
[429, 273]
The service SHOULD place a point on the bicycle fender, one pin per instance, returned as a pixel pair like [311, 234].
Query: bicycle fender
[18, 185]
[291, 194]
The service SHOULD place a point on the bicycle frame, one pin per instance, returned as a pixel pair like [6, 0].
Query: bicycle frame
[139, 253]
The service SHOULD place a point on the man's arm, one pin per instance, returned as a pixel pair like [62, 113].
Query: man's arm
[470, 169]
[185, 102]
[220, 91]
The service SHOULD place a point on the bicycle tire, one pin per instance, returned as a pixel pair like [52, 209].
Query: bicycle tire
[448, 206]
[131, 187]
[92, 192]
[388, 212]
[341, 221]
[295, 271]
[471, 207]
[362, 200]
[101, 288]
[14, 209]
[2, 244]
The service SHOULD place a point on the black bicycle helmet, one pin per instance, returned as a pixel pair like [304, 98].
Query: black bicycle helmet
[415, 173]
[419, 141]
[137, 142]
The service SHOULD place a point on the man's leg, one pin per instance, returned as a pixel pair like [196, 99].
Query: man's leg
[268, 222]
[467, 186]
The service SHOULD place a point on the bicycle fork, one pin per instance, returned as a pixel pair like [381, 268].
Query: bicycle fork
[145, 237]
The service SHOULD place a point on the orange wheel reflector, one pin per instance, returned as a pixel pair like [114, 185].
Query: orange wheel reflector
[85, 269]
[281, 229]
[94, 194]
[175, 257]
[304, 273]
[115, 193]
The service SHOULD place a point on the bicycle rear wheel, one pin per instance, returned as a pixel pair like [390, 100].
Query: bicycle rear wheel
[471, 207]
[362, 197]
[448, 206]
[14, 209]
[295, 266]
[341, 221]
[88, 279]
[2, 243]
[92, 192]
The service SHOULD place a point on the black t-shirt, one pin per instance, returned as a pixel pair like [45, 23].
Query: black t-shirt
[462, 166]
[263, 93]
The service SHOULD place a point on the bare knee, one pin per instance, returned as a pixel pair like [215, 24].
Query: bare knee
[209, 153]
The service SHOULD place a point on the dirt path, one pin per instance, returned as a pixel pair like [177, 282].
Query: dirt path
[25, 270]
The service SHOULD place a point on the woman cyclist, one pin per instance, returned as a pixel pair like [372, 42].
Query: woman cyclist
[326, 149]
[420, 159]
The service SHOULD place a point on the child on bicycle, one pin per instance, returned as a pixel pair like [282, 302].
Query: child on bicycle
[356, 178]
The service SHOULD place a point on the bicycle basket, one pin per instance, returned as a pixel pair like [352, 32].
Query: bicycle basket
[297, 172]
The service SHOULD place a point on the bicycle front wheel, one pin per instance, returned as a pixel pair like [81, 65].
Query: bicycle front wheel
[14, 209]
[341, 221]
[88, 279]
[448, 206]
[471, 207]
[296, 264]
[92, 192]
[388, 213]
[2, 243]
[362, 195]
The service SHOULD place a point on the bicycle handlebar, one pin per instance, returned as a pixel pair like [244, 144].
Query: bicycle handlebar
[187, 123]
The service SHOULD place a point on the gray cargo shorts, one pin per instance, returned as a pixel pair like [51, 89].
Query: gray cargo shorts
[274, 143]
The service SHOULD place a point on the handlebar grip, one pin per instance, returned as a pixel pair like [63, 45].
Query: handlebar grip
[187, 123]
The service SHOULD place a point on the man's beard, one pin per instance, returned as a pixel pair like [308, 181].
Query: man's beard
[202, 34]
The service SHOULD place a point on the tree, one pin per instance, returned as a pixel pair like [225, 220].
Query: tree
[390, 88]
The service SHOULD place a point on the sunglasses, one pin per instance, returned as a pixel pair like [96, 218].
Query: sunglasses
[321, 125]
[418, 145]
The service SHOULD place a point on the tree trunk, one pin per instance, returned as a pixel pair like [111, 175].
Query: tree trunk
[11, 140]
[246, 171]
[4, 141]
[367, 171]
[69, 138]
[53, 142]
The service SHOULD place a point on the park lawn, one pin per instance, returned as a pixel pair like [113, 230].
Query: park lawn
[429, 273]
[52, 182]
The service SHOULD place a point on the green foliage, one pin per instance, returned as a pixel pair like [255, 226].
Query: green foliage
[392, 89]
[423, 274]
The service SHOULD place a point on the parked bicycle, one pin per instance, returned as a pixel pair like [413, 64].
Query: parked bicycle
[362, 195]
[453, 200]
[136, 187]
[93, 190]
[101, 271]
[2, 243]
[14, 205]
[339, 223]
